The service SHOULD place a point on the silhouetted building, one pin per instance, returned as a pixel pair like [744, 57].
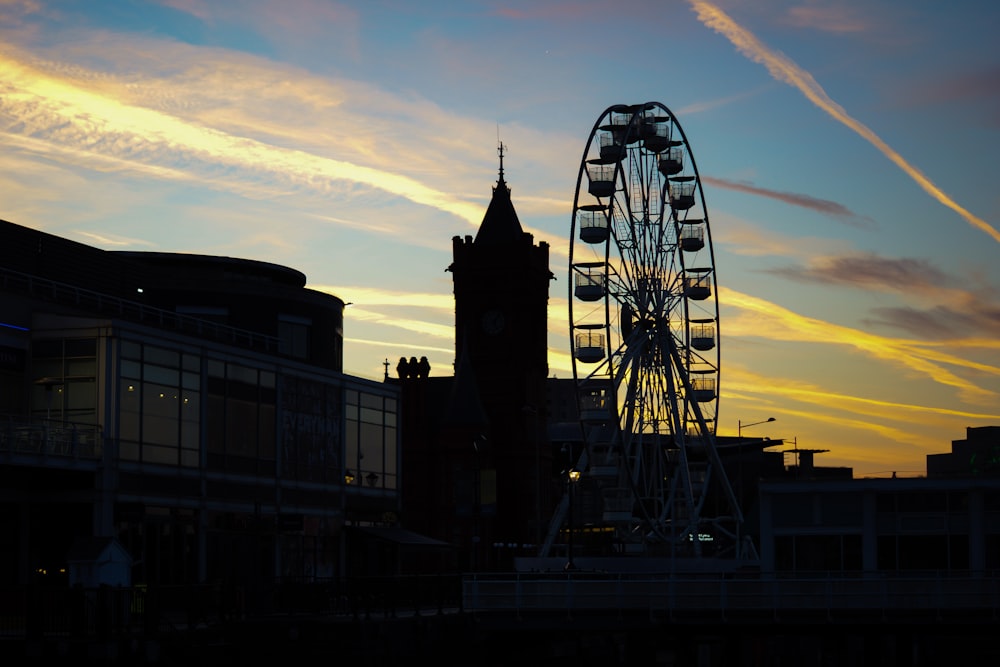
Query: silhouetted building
[885, 525]
[946, 522]
[193, 408]
[978, 455]
[475, 452]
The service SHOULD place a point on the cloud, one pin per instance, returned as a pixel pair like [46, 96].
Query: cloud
[980, 86]
[198, 8]
[289, 21]
[826, 18]
[783, 69]
[824, 206]
[386, 307]
[14, 8]
[369, 297]
[111, 241]
[777, 392]
[941, 322]
[966, 312]
[82, 122]
[870, 271]
[770, 321]
[412, 325]
[240, 124]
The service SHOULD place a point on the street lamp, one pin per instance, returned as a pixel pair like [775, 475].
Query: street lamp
[572, 477]
[49, 384]
[740, 425]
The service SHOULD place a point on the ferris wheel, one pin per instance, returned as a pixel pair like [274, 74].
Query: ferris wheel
[644, 332]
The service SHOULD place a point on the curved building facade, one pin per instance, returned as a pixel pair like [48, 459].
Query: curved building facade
[191, 407]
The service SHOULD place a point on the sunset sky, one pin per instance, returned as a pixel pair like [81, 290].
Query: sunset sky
[848, 151]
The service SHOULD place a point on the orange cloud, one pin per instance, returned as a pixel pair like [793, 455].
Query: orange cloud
[90, 124]
[778, 323]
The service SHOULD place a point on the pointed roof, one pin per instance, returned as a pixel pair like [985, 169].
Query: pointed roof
[500, 225]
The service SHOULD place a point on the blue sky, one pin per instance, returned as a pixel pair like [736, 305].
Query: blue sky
[847, 152]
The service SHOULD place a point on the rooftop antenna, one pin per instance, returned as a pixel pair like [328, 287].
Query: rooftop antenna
[500, 151]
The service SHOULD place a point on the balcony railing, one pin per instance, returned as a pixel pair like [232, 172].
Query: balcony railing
[50, 438]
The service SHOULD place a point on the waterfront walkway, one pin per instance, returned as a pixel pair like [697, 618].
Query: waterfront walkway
[557, 618]
[752, 596]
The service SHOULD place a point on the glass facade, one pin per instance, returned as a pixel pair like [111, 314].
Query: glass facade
[240, 418]
[159, 405]
[200, 419]
[371, 440]
[169, 399]
[263, 449]
[65, 379]
[310, 430]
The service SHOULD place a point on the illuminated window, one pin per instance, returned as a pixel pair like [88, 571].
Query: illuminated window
[159, 405]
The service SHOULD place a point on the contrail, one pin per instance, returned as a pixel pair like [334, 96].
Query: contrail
[785, 70]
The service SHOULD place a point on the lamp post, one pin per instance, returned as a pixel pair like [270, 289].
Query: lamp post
[49, 384]
[740, 425]
[572, 477]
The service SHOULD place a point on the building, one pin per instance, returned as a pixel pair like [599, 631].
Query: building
[946, 522]
[486, 448]
[476, 456]
[193, 408]
[977, 455]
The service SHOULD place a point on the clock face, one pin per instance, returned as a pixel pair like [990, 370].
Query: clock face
[493, 322]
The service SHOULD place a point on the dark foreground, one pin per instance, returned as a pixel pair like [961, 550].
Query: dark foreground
[403, 622]
[462, 639]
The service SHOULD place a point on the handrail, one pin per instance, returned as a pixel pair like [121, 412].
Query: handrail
[97, 302]
[896, 592]
[47, 437]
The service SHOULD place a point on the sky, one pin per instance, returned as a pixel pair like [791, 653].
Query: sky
[847, 153]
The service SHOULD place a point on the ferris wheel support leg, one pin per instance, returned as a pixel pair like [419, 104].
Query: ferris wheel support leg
[683, 469]
[710, 445]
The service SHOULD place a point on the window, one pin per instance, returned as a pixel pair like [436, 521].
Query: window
[310, 429]
[240, 413]
[371, 447]
[65, 372]
[159, 405]
[293, 336]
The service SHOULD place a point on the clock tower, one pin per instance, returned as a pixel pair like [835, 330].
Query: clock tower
[501, 286]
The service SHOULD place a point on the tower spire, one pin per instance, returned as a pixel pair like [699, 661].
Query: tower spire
[500, 224]
[500, 182]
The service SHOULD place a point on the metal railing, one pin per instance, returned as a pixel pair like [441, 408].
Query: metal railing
[50, 438]
[910, 592]
[52, 612]
[135, 311]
